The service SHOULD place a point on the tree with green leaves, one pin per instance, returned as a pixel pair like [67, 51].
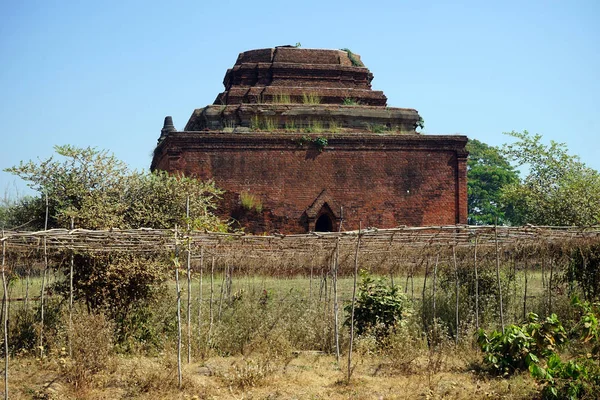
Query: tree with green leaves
[91, 189]
[488, 171]
[97, 191]
[559, 189]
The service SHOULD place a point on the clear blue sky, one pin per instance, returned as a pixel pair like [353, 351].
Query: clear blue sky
[105, 73]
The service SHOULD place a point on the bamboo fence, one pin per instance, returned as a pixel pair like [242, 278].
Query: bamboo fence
[402, 251]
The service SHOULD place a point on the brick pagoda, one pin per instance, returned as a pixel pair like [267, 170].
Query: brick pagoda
[300, 142]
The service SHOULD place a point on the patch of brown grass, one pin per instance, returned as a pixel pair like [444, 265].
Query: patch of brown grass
[307, 376]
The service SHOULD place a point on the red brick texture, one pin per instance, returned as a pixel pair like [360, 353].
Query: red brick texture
[377, 180]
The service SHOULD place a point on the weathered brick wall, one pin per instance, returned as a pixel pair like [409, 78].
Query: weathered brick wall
[379, 180]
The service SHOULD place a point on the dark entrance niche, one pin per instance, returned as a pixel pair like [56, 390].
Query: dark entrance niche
[324, 224]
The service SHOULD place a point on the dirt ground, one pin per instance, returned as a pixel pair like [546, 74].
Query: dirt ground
[306, 375]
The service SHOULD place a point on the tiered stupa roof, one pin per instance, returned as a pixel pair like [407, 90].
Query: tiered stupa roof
[292, 89]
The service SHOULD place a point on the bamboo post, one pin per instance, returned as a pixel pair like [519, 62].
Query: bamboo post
[423, 293]
[310, 282]
[550, 282]
[43, 289]
[498, 276]
[212, 296]
[335, 300]
[200, 293]
[5, 319]
[71, 293]
[457, 291]
[476, 285]
[223, 282]
[27, 277]
[176, 262]
[189, 284]
[525, 291]
[435, 267]
[353, 304]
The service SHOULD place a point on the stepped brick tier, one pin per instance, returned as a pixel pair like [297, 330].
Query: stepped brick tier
[300, 142]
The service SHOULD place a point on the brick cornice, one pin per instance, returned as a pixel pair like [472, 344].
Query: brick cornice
[178, 142]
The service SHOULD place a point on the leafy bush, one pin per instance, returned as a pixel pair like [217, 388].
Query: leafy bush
[519, 347]
[584, 270]
[378, 307]
[575, 379]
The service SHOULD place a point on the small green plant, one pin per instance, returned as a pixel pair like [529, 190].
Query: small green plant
[348, 101]
[250, 202]
[519, 347]
[587, 328]
[310, 98]
[334, 127]
[353, 59]
[420, 123]
[379, 307]
[282, 99]
[290, 126]
[255, 123]
[269, 124]
[377, 128]
[320, 143]
[575, 379]
[314, 127]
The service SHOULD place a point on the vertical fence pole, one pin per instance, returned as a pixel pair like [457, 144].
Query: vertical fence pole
[457, 291]
[71, 267]
[525, 291]
[498, 276]
[189, 284]
[435, 267]
[200, 293]
[335, 300]
[5, 314]
[176, 262]
[550, 282]
[423, 294]
[476, 286]
[43, 289]
[310, 282]
[353, 304]
[212, 296]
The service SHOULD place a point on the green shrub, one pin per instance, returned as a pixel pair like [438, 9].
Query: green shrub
[519, 347]
[379, 307]
[584, 270]
[575, 379]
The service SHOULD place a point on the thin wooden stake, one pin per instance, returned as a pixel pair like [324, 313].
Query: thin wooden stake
[353, 303]
[435, 267]
[43, 289]
[525, 292]
[423, 293]
[222, 294]
[212, 296]
[498, 277]
[457, 292]
[71, 267]
[200, 294]
[310, 284]
[5, 319]
[177, 287]
[189, 285]
[335, 300]
[550, 282]
[476, 286]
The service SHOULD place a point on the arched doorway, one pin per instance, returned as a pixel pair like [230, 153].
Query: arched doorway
[324, 224]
